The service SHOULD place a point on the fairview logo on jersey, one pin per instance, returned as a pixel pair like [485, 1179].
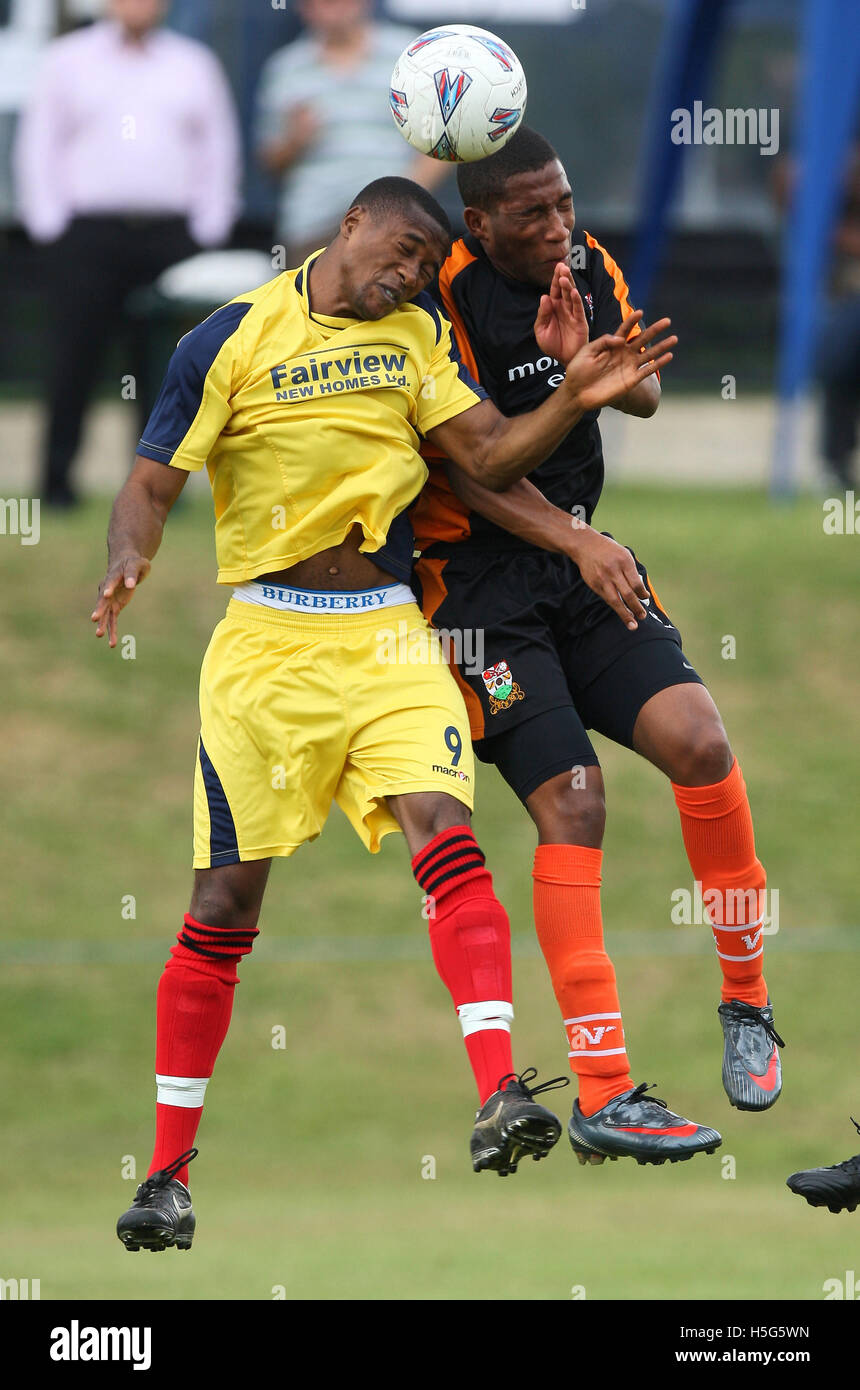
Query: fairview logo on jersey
[319, 373]
[501, 686]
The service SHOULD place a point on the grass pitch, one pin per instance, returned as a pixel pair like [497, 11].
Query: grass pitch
[336, 1166]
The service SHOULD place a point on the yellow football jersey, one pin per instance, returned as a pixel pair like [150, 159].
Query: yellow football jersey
[307, 425]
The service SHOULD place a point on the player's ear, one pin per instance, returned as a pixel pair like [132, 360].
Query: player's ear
[351, 221]
[476, 222]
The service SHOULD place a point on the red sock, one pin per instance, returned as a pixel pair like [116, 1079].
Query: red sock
[195, 1001]
[470, 938]
[570, 931]
[716, 823]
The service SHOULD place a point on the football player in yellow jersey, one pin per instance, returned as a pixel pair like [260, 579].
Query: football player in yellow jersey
[306, 400]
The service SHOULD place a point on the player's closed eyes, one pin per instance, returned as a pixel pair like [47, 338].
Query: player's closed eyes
[428, 271]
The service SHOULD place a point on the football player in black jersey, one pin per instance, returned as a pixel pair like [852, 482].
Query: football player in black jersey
[526, 570]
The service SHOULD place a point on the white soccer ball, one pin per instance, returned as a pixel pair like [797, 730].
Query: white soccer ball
[458, 93]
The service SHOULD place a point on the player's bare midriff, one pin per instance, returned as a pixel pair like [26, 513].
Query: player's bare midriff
[340, 567]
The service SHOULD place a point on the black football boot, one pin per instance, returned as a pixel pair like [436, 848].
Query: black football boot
[510, 1125]
[161, 1214]
[837, 1188]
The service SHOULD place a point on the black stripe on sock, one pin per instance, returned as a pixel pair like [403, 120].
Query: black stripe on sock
[201, 950]
[223, 933]
[470, 857]
[460, 836]
[435, 881]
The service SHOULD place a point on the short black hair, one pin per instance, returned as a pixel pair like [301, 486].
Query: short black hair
[392, 194]
[482, 183]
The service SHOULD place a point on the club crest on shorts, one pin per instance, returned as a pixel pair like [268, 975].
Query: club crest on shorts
[501, 686]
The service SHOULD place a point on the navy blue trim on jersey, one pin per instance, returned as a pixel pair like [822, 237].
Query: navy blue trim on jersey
[463, 371]
[395, 556]
[425, 302]
[223, 845]
[182, 389]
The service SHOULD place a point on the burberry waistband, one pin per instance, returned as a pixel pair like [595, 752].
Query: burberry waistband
[323, 601]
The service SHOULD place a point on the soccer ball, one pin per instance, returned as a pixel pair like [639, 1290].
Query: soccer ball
[458, 93]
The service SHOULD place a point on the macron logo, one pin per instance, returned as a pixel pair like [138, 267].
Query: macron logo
[78, 1343]
[751, 940]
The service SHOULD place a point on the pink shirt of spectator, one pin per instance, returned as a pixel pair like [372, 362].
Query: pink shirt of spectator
[114, 126]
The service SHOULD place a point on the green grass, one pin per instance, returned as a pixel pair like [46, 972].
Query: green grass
[309, 1177]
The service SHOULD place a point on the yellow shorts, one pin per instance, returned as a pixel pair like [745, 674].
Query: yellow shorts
[300, 709]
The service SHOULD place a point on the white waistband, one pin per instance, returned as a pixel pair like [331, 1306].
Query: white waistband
[321, 601]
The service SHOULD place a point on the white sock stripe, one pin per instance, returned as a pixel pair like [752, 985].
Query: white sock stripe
[186, 1092]
[744, 926]
[598, 1052]
[483, 1025]
[589, 1018]
[752, 955]
[486, 1013]
[486, 1008]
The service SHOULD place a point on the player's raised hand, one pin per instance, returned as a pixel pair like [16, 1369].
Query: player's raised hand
[615, 363]
[116, 590]
[560, 328]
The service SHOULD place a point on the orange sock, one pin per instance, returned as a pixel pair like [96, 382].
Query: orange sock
[570, 932]
[716, 823]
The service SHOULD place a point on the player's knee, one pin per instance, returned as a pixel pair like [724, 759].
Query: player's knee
[704, 756]
[226, 900]
[569, 814]
[424, 815]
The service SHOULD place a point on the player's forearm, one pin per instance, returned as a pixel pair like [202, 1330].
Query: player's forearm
[521, 509]
[519, 443]
[136, 523]
[641, 401]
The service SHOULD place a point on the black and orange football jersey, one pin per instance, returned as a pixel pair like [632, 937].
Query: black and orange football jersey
[493, 320]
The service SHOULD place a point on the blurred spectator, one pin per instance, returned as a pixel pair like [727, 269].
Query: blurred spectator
[839, 352]
[837, 364]
[324, 121]
[127, 160]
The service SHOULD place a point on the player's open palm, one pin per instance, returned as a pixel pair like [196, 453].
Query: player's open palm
[615, 363]
[560, 328]
[116, 590]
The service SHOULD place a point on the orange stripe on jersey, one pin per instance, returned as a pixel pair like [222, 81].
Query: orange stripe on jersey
[622, 293]
[457, 261]
[439, 515]
[433, 590]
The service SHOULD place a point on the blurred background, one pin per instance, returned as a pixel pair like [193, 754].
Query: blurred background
[156, 160]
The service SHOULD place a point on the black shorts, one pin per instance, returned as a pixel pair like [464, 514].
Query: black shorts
[541, 658]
